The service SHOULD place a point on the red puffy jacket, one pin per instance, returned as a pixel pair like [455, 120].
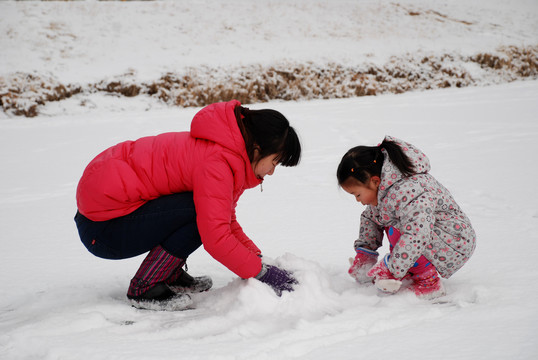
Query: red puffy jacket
[211, 161]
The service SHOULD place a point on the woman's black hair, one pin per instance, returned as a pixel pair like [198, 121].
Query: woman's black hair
[363, 162]
[269, 132]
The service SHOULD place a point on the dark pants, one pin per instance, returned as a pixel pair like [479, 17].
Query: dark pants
[169, 221]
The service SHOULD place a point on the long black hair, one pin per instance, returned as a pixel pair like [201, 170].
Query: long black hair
[363, 162]
[269, 132]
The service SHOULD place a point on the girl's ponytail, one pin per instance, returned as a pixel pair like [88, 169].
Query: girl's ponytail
[398, 157]
[363, 162]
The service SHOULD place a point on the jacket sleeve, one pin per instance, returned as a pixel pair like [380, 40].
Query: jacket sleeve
[416, 225]
[370, 233]
[213, 187]
[237, 230]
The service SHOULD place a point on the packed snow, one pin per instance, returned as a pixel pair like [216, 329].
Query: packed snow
[60, 302]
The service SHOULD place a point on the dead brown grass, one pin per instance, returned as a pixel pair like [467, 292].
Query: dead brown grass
[23, 94]
[521, 61]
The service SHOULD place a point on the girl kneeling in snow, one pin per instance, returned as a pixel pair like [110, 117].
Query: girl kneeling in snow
[427, 231]
[170, 193]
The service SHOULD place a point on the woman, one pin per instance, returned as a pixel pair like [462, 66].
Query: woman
[170, 193]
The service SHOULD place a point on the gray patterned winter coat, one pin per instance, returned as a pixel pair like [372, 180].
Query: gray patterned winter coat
[423, 210]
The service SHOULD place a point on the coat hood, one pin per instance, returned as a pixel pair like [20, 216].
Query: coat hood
[217, 123]
[390, 173]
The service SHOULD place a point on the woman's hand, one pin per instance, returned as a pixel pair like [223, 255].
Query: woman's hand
[280, 280]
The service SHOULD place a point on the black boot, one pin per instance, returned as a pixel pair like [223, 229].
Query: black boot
[148, 288]
[158, 292]
[161, 297]
[188, 284]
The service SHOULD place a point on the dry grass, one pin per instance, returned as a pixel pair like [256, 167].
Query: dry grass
[22, 94]
[521, 61]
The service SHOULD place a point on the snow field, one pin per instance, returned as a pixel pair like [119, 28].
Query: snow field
[61, 302]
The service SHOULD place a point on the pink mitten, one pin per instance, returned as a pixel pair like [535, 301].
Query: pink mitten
[364, 260]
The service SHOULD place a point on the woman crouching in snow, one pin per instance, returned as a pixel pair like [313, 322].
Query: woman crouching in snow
[168, 194]
[427, 230]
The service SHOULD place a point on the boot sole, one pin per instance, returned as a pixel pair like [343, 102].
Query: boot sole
[179, 302]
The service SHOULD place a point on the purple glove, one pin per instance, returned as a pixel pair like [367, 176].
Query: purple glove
[276, 278]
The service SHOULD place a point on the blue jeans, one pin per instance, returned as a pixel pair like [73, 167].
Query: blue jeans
[169, 221]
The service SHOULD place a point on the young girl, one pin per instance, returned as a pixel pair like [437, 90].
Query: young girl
[170, 193]
[428, 232]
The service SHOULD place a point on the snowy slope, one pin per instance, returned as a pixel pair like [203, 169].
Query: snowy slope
[60, 302]
[195, 53]
[83, 41]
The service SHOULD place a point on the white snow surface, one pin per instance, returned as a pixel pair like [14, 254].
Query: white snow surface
[85, 41]
[60, 302]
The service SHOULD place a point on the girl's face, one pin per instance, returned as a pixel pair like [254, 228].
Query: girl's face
[366, 194]
[265, 166]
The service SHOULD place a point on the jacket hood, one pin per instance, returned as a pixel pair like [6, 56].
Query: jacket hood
[217, 123]
[390, 173]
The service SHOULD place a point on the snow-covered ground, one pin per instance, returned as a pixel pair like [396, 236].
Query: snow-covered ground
[60, 302]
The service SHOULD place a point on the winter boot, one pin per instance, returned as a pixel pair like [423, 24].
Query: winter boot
[427, 284]
[182, 282]
[148, 288]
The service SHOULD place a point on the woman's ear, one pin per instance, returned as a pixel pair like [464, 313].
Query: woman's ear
[257, 152]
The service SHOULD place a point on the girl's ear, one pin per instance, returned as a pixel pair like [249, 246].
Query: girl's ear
[375, 180]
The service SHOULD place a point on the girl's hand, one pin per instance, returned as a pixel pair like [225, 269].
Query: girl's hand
[383, 278]
[363, 262]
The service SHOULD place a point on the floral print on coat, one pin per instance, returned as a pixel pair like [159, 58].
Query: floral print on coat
[430, 221]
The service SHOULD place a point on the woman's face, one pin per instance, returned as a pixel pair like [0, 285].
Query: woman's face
[265, 166]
